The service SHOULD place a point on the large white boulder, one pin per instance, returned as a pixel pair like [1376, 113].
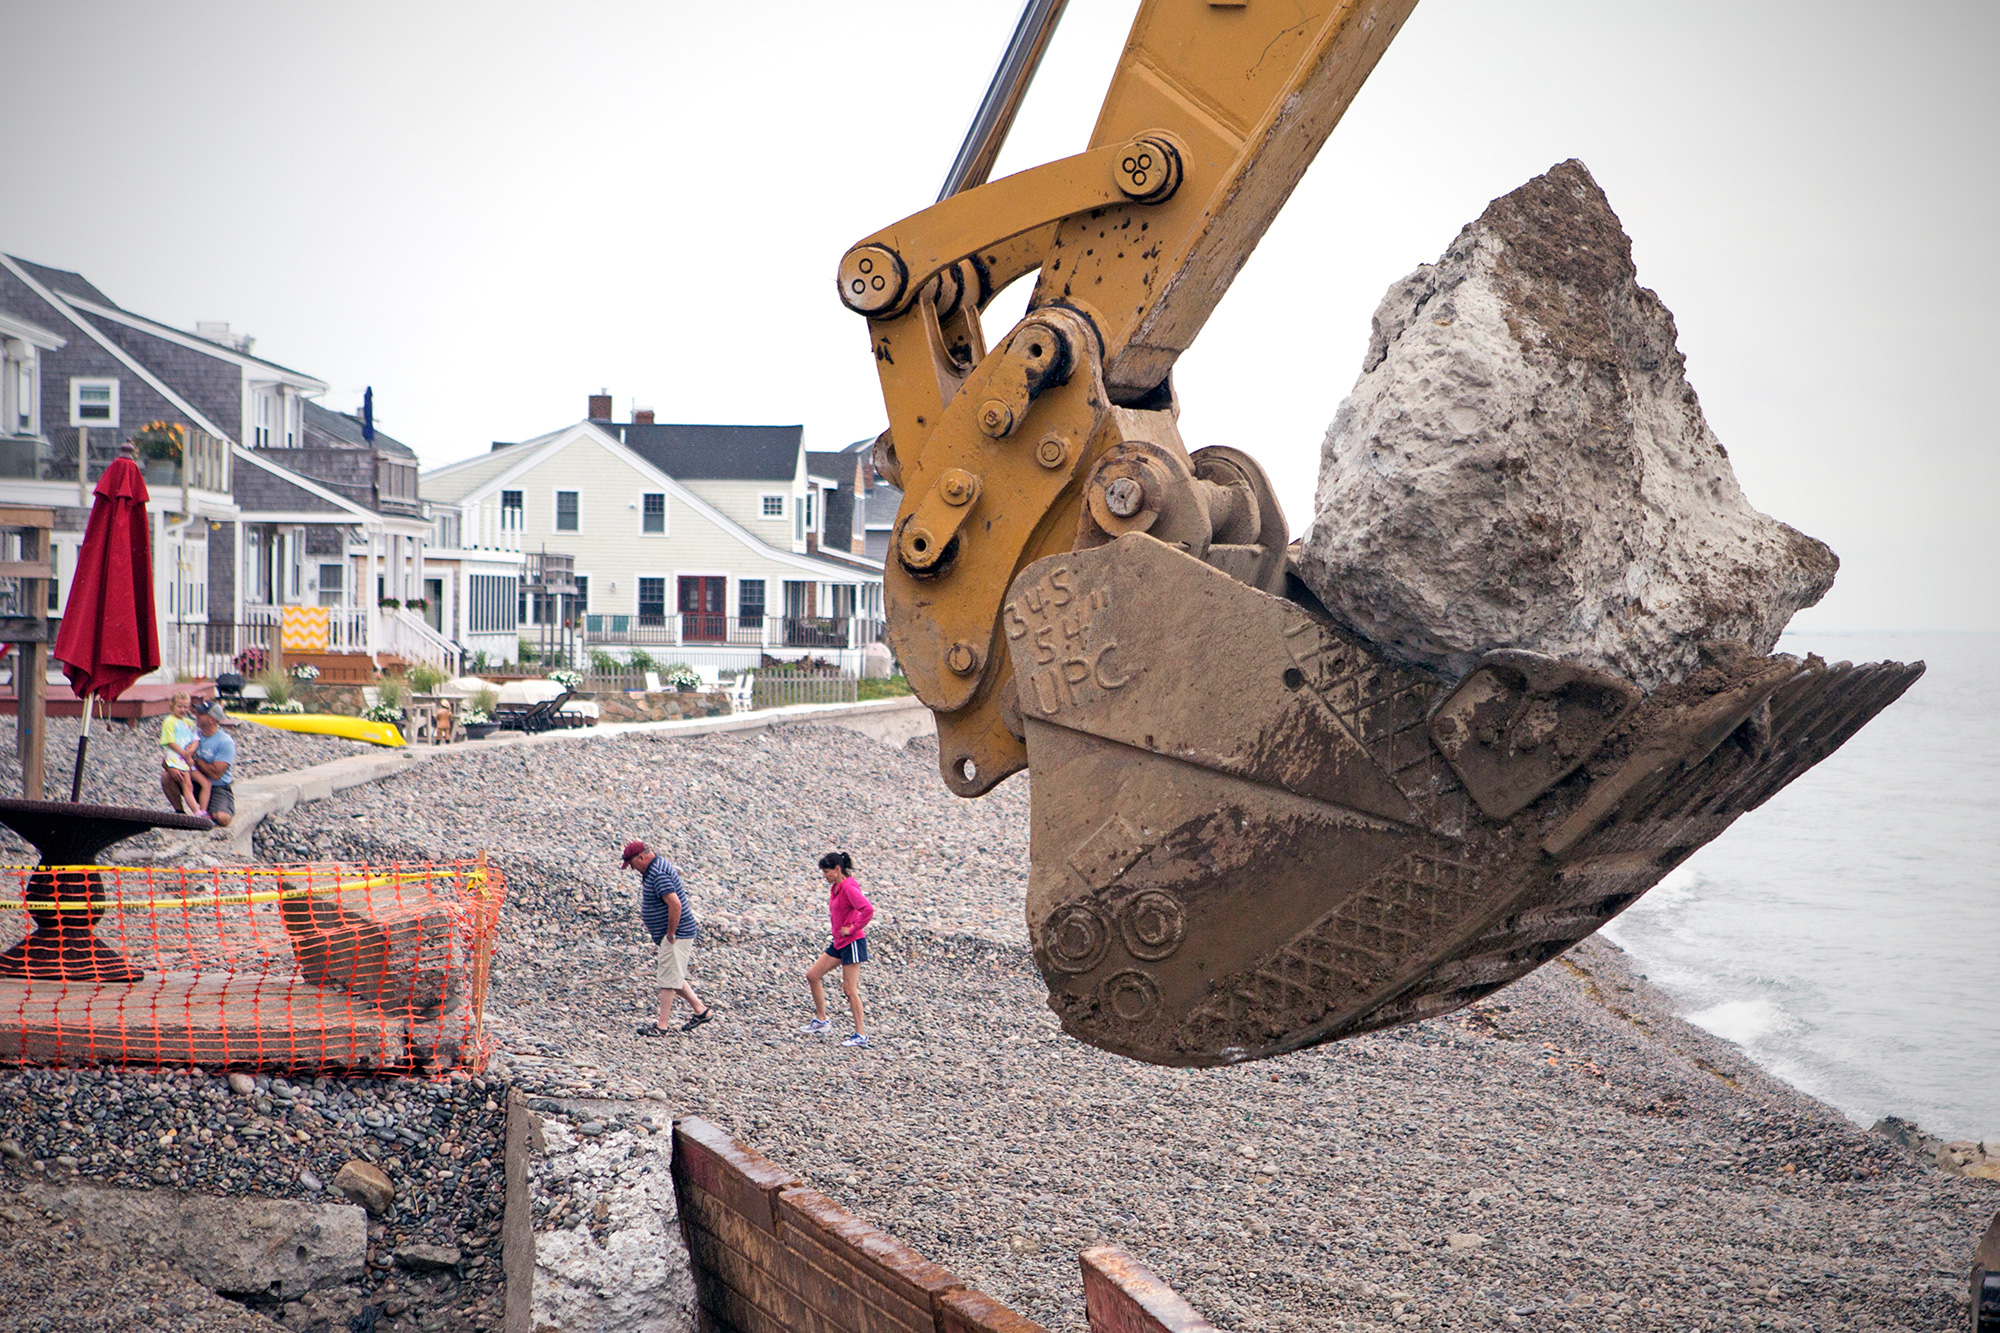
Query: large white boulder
[1522, 464]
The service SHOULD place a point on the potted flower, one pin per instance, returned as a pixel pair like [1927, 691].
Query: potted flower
[159, 446]
[569, 680]
[478, 716]
[388, 603]
[253, 661]
[683, 678]
[305, 671]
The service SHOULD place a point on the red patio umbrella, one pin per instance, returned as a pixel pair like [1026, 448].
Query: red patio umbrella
[109, 637]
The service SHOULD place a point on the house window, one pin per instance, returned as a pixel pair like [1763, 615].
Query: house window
[510, 511]
[447, 531]
[331, 581]
[565, 511]
[750, 601]
[773, 506]
[582, 599]
[93, 402]
[652, 601]
[811, 525]
[490, 604]
[654, 505]
[262, 434]
[24, 397]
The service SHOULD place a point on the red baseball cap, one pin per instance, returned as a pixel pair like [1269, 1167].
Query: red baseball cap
[632, 849]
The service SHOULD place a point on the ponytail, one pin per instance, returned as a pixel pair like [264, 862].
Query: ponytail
[837, 861]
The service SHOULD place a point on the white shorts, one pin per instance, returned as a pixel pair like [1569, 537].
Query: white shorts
[670, 963]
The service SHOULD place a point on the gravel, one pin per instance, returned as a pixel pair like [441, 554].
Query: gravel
[1568, 1155]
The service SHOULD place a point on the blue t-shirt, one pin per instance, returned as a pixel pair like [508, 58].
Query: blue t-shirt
[218, 749]
[657, 882]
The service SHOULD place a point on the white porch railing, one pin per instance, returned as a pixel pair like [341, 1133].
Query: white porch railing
[408, 637]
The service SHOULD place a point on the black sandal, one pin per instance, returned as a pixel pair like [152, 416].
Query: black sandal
[696, 1020]
[652, 1030]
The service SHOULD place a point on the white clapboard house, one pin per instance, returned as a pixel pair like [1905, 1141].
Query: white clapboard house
[697, 543]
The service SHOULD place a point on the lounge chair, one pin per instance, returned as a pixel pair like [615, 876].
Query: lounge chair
[531, 718]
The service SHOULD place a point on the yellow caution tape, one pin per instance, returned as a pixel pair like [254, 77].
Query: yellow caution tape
[471, 879]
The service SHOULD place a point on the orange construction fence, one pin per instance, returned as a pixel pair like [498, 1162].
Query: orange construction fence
[318, 968]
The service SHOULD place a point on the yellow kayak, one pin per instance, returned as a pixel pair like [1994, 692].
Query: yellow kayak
[327, 724]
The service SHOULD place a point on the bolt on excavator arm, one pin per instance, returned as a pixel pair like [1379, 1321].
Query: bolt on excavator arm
[1251, 831]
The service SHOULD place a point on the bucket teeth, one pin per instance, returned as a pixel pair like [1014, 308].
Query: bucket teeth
[1253, 833]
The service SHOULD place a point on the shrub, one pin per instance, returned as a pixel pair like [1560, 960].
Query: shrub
[485, 701]
[640, 660]
[277, 690]
[527, 651]
[426, 677]
[393, 692]
[604, 664]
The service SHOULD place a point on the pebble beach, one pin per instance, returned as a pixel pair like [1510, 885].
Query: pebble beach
[1565, 1155]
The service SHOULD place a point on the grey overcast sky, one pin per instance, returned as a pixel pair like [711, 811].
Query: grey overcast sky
[488, 211]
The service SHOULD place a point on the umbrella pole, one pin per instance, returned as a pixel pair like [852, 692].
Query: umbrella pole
[82, 748]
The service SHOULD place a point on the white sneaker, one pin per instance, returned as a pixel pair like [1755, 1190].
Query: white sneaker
[817, 1025]
[858, 1039]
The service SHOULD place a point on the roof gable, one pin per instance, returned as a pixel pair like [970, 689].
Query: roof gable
[62, 281]
[530, 454]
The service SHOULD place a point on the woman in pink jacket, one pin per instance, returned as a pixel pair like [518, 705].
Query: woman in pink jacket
[851, 912]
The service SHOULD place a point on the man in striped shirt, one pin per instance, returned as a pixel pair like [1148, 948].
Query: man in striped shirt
[669, 919]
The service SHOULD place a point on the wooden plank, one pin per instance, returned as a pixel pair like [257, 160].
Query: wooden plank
[26, 569]
[16, 516]
[31, 735]
[273, 1021]
[23, 629]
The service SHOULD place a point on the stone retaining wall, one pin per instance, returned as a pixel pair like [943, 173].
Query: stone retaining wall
[658, 706]
[770, 1255]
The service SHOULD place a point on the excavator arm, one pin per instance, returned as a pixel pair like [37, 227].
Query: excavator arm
[1250, 831]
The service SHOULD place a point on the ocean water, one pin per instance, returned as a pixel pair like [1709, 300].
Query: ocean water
[1847, 934]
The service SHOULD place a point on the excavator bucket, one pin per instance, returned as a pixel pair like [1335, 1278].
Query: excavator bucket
[1251, 833]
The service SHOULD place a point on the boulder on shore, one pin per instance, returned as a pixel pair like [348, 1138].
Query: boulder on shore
[1523, 464]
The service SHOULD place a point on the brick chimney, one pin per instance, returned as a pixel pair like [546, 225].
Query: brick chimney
[642, 416]
[600, 405]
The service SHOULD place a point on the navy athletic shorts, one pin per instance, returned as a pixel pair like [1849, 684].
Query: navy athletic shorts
[854, 951]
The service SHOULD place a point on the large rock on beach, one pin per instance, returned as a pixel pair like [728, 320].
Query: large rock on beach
[1523, 464]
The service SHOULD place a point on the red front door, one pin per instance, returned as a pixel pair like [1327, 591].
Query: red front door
[704, 602]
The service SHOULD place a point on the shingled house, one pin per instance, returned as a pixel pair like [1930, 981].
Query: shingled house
[242, 526]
